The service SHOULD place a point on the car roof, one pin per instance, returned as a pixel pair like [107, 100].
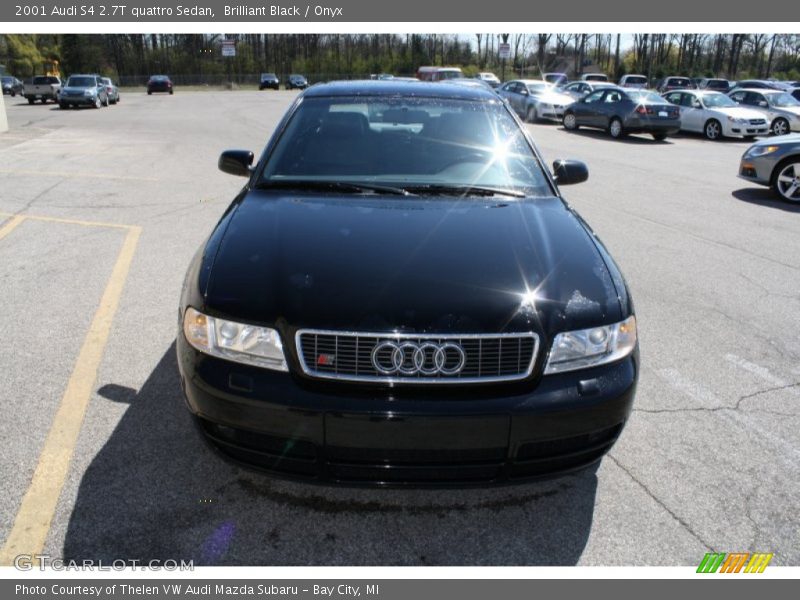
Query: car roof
[388, 87]
[759, 90]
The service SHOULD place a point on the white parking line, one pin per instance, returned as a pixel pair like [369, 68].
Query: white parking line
[694, 390]
[755, 369]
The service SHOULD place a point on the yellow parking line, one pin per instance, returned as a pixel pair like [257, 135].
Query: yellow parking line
[67, 221]
[11, 225]
[36, 511]
[73, 174]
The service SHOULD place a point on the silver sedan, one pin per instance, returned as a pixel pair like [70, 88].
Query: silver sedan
[533, 99]
[774, 163]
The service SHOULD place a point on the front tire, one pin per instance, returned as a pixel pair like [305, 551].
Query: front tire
[63, 106]
[97, 102]
[570, 122]
[659, 137]
[786, 181]
[532, 115]
[712, 130]
[615, 129]
[780, 126]
[31, 100]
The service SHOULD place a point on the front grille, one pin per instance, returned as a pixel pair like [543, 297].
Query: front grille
[758, 122]
[348, 356]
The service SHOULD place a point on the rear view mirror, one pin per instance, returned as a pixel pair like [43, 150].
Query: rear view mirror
[236, 162]
[568, 172]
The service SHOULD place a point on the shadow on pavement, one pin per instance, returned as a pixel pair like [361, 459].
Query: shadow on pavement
[764, 197]
[632, 138]
[156, 491]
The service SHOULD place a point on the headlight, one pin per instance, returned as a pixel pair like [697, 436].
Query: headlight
[88, 92]
[238, 342]
[574, 350]
[735, 120]
[761, 151]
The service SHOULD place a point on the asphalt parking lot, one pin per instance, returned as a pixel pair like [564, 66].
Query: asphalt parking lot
[101, 212]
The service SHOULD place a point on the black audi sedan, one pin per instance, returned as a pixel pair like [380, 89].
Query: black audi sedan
[622, 111]
[399, 295]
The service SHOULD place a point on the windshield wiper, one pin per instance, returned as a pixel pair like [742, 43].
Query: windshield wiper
[335, 186]
[465, 190]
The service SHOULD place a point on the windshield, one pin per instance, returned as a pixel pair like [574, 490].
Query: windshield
[645, 96]
[782, 100]
[405, 142]
[718, 101]
[636, 80]
[450, 75]
[540, 87]
[7, 80]
[82, 82]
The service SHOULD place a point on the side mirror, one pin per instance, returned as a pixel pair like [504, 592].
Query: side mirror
[236, 162]
[567, 172]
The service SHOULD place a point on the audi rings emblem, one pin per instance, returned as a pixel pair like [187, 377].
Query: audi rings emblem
[423, 358]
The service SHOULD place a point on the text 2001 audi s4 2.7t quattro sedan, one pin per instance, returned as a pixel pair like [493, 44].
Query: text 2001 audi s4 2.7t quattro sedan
[400, 296]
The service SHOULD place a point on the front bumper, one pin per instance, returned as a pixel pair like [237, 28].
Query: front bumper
[350, 434]
[551, 112]
[740, 130]
[758, 170]
[77, 100]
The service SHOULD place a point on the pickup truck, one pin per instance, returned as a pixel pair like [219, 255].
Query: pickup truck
[43, 87]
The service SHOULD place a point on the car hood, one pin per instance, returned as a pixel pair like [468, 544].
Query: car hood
[556, 98]
[418, 265]
[737, 112]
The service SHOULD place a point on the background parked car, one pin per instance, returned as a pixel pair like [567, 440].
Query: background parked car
[633, 81]
[11, 86]
[717, 85]
[756, 84]
[780, 108]
[296, 82]
[269, 80]
[795, 92]
[489, 78]
[579, 89]
[620, 111]
[42, 87]
[160, 83]
[674, 83]
[83, 90]
[715, 115]
[438, 73]
[775, 163]
[473, 83]
[594, 77]
[111, 89]
[556, 78]
[532, 99]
